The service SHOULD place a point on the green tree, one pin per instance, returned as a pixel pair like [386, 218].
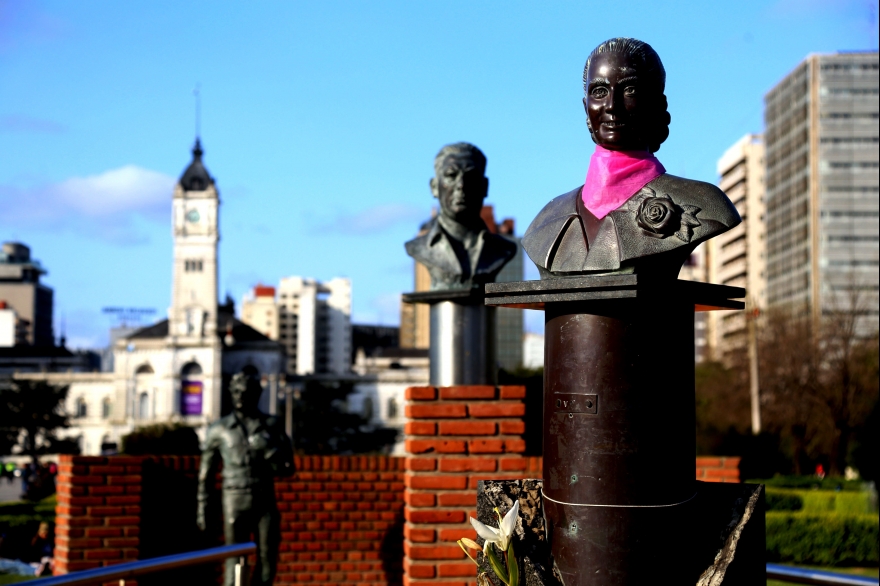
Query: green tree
[31, 412]
[322, 424]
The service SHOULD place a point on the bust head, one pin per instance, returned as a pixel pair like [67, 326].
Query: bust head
[624, 81]
[460, 182]
[245, 390]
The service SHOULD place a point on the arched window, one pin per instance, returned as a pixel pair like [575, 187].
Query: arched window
[81, 409]
[190, 369]
[106, 407]
[251, 370]
[144, 406]
[367, 408]
[392, 408]
[144, 369]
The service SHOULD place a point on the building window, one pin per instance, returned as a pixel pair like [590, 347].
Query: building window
[81, 409]
[367, 408]
[144, 406]
[106, 407]
[392, 408]
[192, 266]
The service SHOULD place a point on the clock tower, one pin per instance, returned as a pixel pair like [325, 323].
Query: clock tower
[193, 314]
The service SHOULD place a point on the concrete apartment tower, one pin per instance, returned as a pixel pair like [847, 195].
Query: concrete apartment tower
[22, 292]
[821, 137]
[311, 319]
[736, 258]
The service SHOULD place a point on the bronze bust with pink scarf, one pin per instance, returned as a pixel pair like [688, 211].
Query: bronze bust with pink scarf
[629, 216]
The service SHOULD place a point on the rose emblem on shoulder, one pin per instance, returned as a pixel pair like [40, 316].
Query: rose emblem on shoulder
[659, 216]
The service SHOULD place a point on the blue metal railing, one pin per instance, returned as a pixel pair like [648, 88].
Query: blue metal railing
[132, 570]
[807, 576]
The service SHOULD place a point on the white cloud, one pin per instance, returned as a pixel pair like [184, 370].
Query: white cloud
[106, 205]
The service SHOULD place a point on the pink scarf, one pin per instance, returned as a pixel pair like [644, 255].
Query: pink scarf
[615, 176]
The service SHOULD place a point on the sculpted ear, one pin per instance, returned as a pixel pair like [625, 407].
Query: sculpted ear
[434, 189]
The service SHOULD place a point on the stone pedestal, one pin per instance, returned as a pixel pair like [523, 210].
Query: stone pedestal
[725, 548]
[618, 422]
[462, 350]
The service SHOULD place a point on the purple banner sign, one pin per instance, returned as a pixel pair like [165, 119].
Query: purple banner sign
[191, 397]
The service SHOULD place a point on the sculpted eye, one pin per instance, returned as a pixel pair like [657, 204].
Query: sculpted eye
[630, 91]
[599, 92]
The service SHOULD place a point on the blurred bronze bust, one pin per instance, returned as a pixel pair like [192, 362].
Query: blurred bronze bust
[629, 216]
[457, 248]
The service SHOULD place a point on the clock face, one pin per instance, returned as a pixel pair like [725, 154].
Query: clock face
[192, 216]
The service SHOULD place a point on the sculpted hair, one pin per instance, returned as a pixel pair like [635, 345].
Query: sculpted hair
[651, 71]
[460, 148]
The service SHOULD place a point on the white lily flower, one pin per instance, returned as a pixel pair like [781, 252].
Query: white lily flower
[503, 534]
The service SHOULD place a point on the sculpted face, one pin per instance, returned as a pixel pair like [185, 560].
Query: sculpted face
[245, 394]
[461, 188]
[616, 103]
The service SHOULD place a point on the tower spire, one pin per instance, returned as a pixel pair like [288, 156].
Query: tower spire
[198, 95]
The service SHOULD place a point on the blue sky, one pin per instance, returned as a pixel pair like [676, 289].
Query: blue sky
[320, 121]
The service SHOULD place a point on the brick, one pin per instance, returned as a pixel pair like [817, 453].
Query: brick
[514, 446]
[102, 554]
[467, 392]
[104, 511]
[420, 428]
[439, 446]
[437, 411]
[433, 552]
[497, 410]
[512, 427]
[458, 533]
[468, 464]
[437, 482]
[513, 392]
[418, 516]
[512, 464]
[420, 570]
[457, 499]
[722, 473]
[132, 499]
[122, 542]
[419, 535]
[103, 532]
[467, 428]
[421, 464]
[107, 470]
[419, 499]
[704, 462]
[448, 570]
[421, 394]
[731, 462]
[486, 446]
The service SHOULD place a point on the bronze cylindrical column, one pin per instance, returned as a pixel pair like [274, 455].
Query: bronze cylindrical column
[619, 443]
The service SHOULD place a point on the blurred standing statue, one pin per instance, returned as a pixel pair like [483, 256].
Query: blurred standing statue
[254, 450]
[458, 249]
[629, 215]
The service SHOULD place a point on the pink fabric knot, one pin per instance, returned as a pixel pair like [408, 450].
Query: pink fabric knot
[615, 176]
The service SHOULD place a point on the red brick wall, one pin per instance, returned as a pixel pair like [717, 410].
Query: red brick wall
[456, 436]
[342, 521]
[718, 469]
[97, 519]
[341, 516]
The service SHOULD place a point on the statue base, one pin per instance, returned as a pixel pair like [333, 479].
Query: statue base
[720, 542]
[462, 350]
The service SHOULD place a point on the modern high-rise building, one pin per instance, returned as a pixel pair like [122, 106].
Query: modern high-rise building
[415, 320]
[821, 137]
[736, 258]
[22, 291]
[311, 319]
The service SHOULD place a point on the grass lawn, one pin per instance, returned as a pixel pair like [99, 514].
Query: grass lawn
[7, 579]
[871, 572]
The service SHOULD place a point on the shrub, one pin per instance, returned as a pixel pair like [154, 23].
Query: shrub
[778, 500]
[171, 439]
[823, 539]
[19, 522]
[827, 483]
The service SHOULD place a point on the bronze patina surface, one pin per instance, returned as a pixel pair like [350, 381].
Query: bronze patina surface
[254, 450]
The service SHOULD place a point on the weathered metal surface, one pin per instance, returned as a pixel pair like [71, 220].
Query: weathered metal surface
[462, 348]
[718, 542]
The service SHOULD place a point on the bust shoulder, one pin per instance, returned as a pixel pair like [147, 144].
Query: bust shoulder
[713, 203]
[543, 231]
